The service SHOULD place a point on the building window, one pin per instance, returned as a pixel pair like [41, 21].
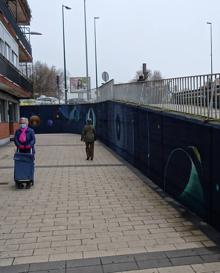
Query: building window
[2, 111]
[14, 59]
[7, 51]
[2, 47]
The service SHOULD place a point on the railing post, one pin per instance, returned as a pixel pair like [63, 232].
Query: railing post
[210, 105]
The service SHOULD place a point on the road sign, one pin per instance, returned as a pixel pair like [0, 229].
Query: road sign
[105, 76]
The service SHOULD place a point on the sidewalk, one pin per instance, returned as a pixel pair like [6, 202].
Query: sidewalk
[81, 209]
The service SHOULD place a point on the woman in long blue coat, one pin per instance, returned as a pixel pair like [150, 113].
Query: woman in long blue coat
[24, 141]
[24, 137]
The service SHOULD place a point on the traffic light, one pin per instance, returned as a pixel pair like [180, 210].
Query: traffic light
[58, 80]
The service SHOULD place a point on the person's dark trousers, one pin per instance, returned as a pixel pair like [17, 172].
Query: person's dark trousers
[90, 150]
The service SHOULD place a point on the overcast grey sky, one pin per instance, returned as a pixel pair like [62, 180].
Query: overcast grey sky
[169, 35]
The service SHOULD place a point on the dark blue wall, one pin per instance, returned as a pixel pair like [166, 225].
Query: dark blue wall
[178, 153]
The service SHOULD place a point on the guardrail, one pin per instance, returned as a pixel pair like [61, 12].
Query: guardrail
[197, 95]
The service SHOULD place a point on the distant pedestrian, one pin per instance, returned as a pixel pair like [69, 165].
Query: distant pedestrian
[89, 137]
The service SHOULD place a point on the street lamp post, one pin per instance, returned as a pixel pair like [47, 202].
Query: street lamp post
[86, 48]
[209, 23]
[210, 104]
[64, 52]
[96, 62]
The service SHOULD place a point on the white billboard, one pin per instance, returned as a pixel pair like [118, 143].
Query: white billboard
[79, 84]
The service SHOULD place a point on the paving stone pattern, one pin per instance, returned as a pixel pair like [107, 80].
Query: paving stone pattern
[192, 260]
[81, 209]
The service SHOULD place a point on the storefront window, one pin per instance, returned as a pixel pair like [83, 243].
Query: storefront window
[12, 112]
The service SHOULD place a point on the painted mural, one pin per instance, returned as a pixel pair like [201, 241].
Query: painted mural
[179, 154]
[59, 119]
[183, 178]
[91, 115]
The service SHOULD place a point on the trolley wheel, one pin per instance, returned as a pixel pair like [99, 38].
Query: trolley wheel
[19, 185]
[28, 185]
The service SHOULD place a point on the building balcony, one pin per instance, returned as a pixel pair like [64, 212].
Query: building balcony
[13, 81]
[22, 40]
[20, 10]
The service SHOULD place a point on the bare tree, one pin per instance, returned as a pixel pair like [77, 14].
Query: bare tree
[45, 80]
[156, 76]
[152, 75]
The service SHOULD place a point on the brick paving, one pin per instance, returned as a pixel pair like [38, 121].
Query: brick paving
[81, 209]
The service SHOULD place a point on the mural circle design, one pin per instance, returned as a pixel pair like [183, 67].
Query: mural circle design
[34, 121]
[183, 177]
[50, 123]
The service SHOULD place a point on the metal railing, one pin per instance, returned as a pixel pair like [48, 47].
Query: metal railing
[197, 95]
[26, 69]
[7, 13]
[13, 74]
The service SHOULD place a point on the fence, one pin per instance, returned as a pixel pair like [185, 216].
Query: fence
[197, 95]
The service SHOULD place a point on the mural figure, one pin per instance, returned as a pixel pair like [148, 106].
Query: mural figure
[183, 177]
[63, 111]
[91, 116]
[74, 114]
[119, 123]
[118, 127]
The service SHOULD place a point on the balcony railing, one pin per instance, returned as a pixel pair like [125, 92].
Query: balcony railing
[13, 74]
[7, 13]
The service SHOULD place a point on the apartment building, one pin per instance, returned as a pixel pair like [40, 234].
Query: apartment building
[15, 63]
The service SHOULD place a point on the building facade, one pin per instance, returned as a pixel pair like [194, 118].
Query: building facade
[15, 63]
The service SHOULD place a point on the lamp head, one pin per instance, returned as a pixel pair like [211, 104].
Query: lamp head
[66, 7]
[34, 33]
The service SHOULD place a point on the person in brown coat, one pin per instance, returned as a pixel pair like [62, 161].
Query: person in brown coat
[89, 137]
